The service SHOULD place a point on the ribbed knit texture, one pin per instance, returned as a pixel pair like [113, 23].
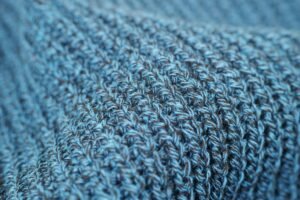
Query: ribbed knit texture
[149, 99]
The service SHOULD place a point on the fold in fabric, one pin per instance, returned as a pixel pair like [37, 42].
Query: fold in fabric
[150, 99]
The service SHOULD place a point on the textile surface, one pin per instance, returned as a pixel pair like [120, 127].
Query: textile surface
[150, 99]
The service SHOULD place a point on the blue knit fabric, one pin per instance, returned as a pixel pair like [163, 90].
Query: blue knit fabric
[149, 99]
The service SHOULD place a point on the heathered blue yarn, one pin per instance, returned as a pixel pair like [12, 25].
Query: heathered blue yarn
[149, 99]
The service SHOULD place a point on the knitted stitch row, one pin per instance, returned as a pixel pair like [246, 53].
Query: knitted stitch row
[107, 104]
